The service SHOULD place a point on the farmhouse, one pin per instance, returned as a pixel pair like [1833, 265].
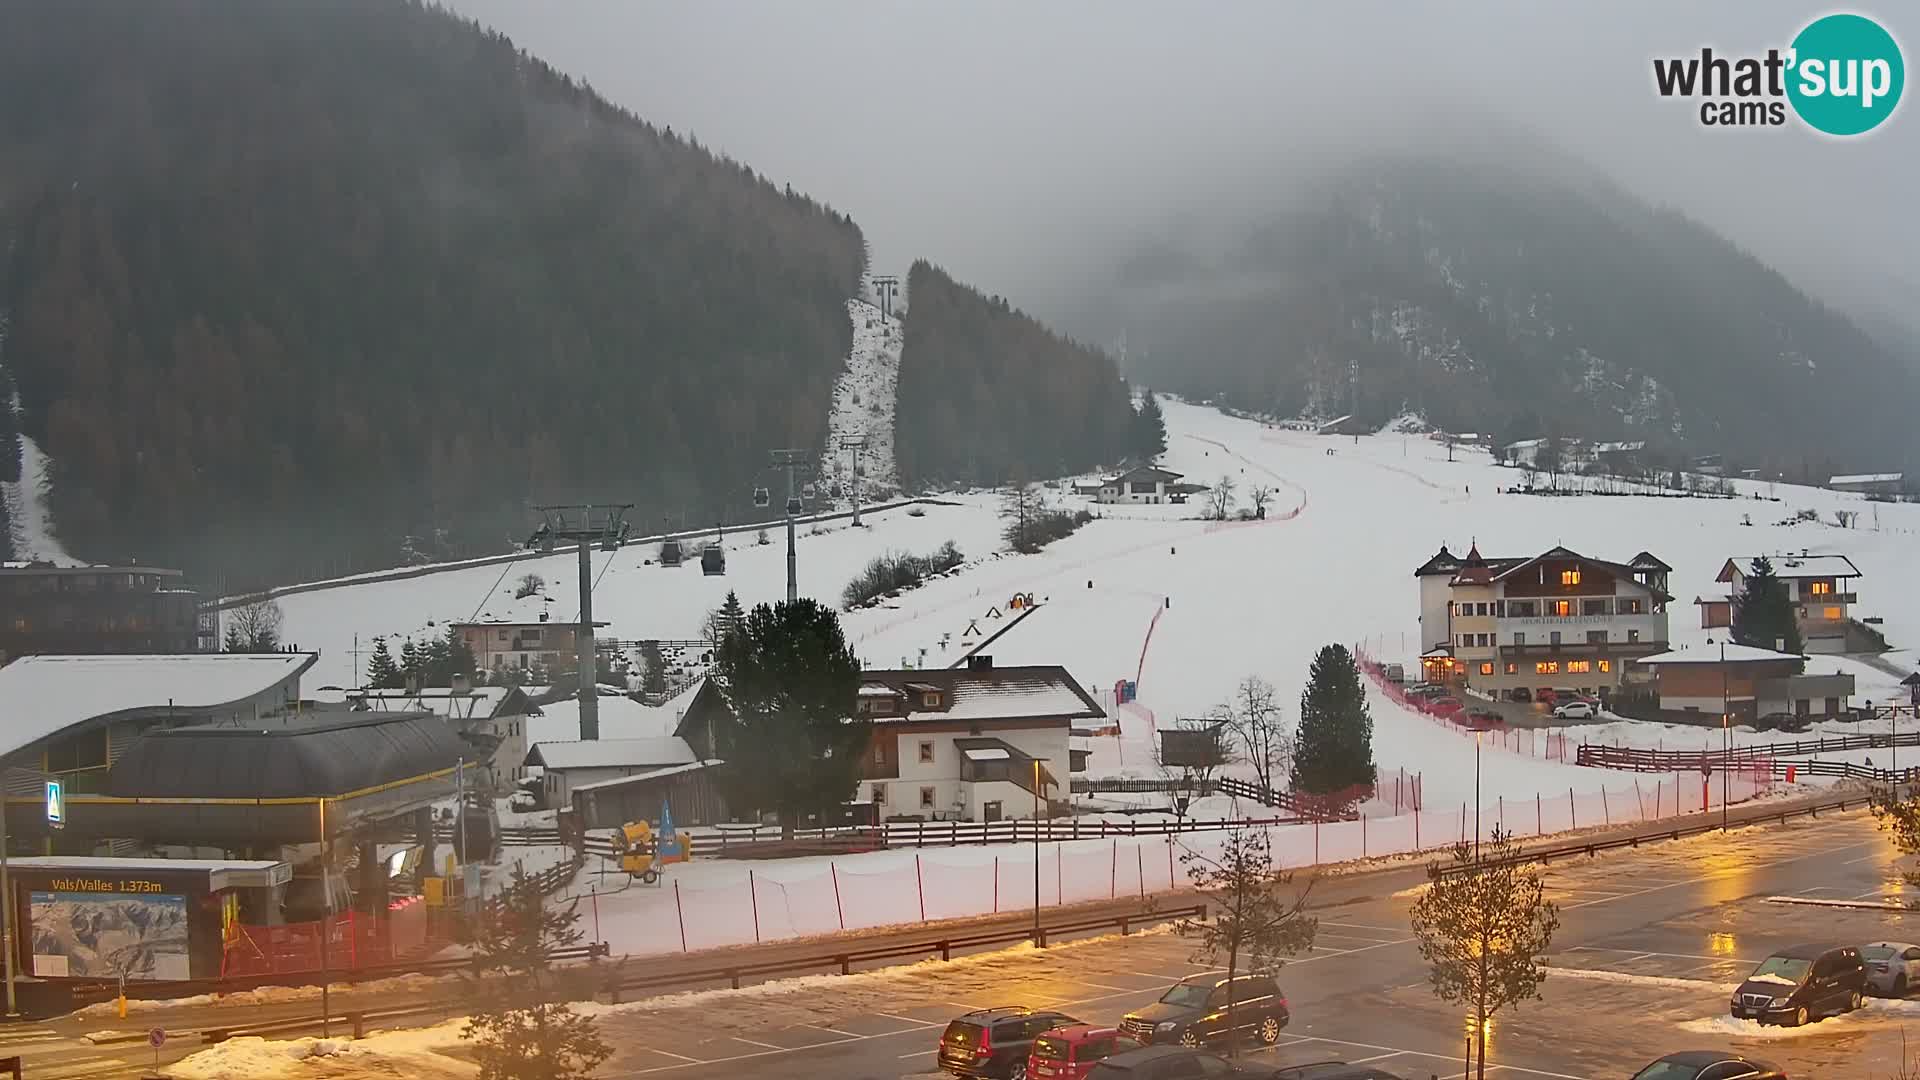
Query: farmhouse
[1745, 682]
[1141, 484]
[1823, 589]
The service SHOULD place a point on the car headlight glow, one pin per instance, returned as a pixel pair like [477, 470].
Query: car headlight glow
[1779, 1001]
[1167, 1028]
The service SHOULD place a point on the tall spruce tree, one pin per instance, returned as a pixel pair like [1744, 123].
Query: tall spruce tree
[1149, 428]
[790, 743]
[1334, 749]
[382, 672]
[1763, 614]
[412, 662]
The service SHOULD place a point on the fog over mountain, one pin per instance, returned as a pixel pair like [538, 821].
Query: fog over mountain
[1025, 145]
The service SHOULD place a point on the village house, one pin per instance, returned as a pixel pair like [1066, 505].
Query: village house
[1823, 590]
[520, 645]
[1141, 484]
[1557, 619]
[72, 610]
[570, 765]
[1745, 683]
[1890, 484]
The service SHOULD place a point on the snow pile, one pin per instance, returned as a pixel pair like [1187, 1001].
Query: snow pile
[269, 995]
[397, 1053]
[863, 404]
[1661, 981]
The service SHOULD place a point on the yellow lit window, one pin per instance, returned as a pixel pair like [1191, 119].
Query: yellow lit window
[1563, 607]
[1569, 577]
[1822, 588]
[1606, 665]
[1579, 667]
[1486, 669]
[1546, 667]
[1512, 668]
[1832, 612]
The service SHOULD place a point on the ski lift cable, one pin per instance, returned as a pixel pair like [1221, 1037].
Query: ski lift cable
[505, 568]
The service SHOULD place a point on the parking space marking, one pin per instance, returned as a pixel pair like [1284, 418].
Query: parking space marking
[837, 1031]
[751, 1042]
[1106, 986]
[1719, 874]
[1391, 1051]
[1156, 975]
[1867, 858]
[1362, 926]
[680, 1057]
[1376, 1057]
[908, 1020]
[918, 1053]
[1672, 955]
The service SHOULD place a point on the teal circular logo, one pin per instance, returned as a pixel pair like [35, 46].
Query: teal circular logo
[1846, 74]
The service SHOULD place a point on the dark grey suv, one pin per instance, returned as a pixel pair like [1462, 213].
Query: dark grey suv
[1193, 1012]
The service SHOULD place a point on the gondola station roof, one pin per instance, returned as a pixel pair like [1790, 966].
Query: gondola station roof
[266, 782]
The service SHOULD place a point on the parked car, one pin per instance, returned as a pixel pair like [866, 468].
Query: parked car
[1396, 673]
[1521, 693]
[1892, 967]
[1070, 1053]
[1545, 695]
[1709, 1065]
[1194, 1011]
[1426, 689]
[996, 1043]
[1483, 719]
[1799, 984]
[1574, 710]
[1332, 1070]
[1445, 706]
[1170, 1063]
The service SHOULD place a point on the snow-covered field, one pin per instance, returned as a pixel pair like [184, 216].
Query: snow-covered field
[1333, 562]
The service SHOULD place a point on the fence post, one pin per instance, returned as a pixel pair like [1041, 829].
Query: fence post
[1316, 841]
[1416, 827]
[1658, 793]
[681, 913]
[1573, 809]
[1059, 894]
[1539, 819]
[1140, 862]
[996, 884]
[1606, 812]
[920, 885]
[1113, 875]
[1463, 822]
[1169, 862]
[1363, 834]
[834, 869]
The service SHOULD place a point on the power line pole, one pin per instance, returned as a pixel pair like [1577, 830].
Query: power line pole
[791, 460]
[607, 526]
[886, 286]
[855, 443]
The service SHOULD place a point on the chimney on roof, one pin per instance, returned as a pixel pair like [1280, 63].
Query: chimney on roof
[979, 662]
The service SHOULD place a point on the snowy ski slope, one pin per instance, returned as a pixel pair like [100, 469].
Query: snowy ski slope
[1333, 562]
[863, 403]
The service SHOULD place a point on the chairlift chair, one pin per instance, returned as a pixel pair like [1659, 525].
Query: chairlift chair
[762, 498]
[670, 554]
[713, 561]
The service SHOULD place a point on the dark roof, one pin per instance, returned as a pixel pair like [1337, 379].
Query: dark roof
[1700, 1059]
[1646, 560]
[1030, 692]
[1510, 566]
[25, 569]
[1443, 562]
[1154, 470]
[300, 758]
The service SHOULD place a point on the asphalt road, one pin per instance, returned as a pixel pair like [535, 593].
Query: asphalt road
[1651, 940]
[1690, 916]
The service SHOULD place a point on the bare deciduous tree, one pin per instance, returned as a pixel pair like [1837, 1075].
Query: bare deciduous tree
[1260, 495]
[1253, 719]
[1484, 926]
[254, 627]
[1190, 754]
[1258, 918]
[1220, 499]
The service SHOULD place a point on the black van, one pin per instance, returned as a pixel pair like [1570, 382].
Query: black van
[1194, 1011]
[1799, 984]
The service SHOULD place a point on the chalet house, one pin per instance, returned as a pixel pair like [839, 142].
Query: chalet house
[75, 610]
[520, 645]
[977, 743]
[1557, 619]
[1621, 458]
[1141, 484]
[570, 765]
[491, 719]
[1889, 483]
[1745, 683]
[1823, 591]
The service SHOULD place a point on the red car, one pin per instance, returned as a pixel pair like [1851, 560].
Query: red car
[1070, 1053]
[1445, 706]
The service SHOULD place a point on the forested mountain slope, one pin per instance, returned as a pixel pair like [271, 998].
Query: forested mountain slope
[289, 282]
[1507, 290]
[987, 394]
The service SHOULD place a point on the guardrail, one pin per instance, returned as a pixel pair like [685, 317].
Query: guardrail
[1600, 753]
[619, 984]
[1591, 847]
[1633, 759]
[843, 960]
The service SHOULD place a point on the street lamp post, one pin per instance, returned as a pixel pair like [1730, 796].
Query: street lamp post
[1726, 737]
[1476, 795]
[1036, 852]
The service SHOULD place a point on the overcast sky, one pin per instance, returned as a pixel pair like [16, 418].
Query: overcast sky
[1008, 140]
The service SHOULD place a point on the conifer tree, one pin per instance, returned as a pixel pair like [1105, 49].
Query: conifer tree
[1149, 428]
[412, 663]
[1763, 615]
[382, 672]
[1334, 749]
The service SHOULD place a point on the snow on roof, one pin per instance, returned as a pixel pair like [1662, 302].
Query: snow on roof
[48, 694]
[1628, 447]
[611, 753]
[987, 753]
[651, 774]
[1792, 566]
[1012, 698]
[877, 690]
[1712, 654]
[1868, 478]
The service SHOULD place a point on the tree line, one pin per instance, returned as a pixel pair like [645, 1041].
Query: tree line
[292, 283]
[988, 395]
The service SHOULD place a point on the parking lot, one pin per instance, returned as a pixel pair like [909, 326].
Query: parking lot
[1652, 941]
